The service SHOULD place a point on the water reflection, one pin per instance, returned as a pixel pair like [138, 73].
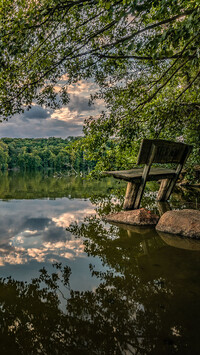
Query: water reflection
[146, 301]
[36, 231]
[151, 296]
[180, 242]
[119, 290]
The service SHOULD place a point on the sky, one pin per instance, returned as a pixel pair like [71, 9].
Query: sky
[40, 122]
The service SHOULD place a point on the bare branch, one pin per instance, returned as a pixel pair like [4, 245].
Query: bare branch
[187, 87]
[162, 86]
[180, 54]
[150, 27]
[136, 57]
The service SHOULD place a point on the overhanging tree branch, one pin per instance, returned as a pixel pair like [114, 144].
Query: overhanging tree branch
[187, 87]
[162, 86]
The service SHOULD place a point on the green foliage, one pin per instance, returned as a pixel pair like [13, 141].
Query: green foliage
[41, 153]
[143, 55]
[42, 41]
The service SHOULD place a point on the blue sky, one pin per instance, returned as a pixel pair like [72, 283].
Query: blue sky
[67, 121]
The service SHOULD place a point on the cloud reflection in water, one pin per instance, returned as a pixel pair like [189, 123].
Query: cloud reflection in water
[36, 230]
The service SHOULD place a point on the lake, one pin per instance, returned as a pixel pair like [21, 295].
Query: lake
[74, 284]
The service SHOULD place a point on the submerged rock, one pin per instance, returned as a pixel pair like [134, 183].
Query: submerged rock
[185, 223]
[140, 217]
[136, 229]
[180, 242]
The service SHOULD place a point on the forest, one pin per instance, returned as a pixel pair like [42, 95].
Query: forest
[42, 153]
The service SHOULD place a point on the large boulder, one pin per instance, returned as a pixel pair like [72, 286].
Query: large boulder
[185, 223]
[140, 217]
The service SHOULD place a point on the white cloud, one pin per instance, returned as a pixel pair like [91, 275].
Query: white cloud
[68, 121]
[65, 219]
[39, 230]
[64, 114]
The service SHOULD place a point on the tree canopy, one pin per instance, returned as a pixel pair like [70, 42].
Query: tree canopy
[144, 55]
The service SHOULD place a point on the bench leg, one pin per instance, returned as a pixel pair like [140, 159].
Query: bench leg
[144, 177]
[162, 193]
[171, 187]
[163, 207]
[131, 193]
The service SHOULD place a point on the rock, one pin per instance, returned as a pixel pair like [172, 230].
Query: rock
[185, 223]
[140, 217]
[180, 242]
[134, 229]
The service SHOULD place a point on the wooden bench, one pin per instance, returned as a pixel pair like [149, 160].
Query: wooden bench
[153, 151]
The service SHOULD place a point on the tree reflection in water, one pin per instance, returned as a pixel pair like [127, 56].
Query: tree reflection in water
[146, 303]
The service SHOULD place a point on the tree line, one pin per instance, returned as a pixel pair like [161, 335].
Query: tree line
[42, 153]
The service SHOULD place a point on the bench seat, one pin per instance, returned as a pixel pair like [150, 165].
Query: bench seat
[135, 175]
[153, 151]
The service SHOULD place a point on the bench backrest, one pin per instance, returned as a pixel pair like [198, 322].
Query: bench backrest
[166, 151]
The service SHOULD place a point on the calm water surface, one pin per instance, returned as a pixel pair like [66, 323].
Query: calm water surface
[73, 284]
